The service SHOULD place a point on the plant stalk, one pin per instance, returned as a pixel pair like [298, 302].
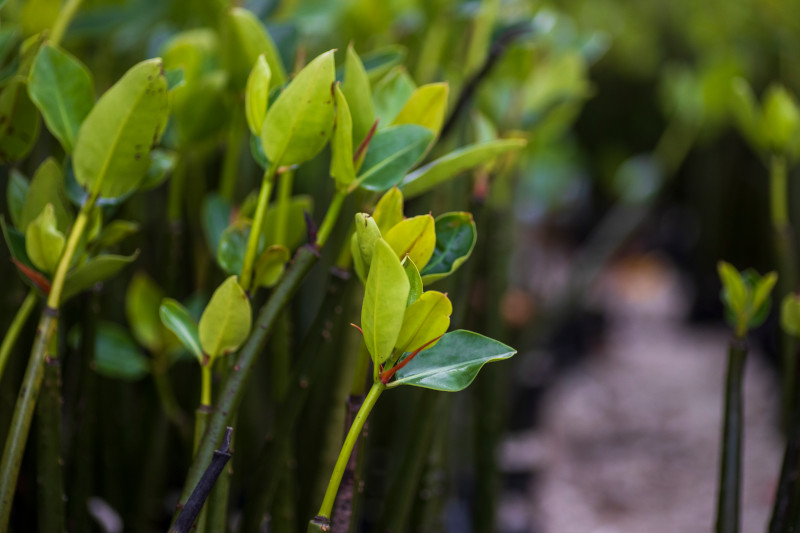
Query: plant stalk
[49, 461]
[353, 434]
[65, 16]
[731, 460]
[230, 161]
[15, 328]
[255, 229]
[31, 382]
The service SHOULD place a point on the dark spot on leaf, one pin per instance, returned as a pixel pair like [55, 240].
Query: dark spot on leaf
[2, 119]
[11, 130]
[137, 156]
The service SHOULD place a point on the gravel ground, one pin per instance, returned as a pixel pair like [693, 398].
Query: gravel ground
[628, 440]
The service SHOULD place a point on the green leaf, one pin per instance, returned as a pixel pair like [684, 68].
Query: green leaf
[358, 92]
[762, 289]
[256, 95]
[415, 237]
[342, 168]
[117, 356]
[175, 78]
[15, 240]
[452, 364]
[747, 113]
[232, 247]
[367, 235]
[215, 216]
[47, 187]
[200, 108]
[162, 162]
[270, 265]
[426, 107]
[114, 142]
[389, 210]
[141, 309]
[95, 270]
[244, 39]
[391, 153]
[391, 93]
[19, 121]
[300, 121]
[382, 60]
[16, 192]
[455, 239]
[735, 291]
[226, 320]
[257, 151]
[414, 281]
[424, 320]
[384, 304]
[114, 233]
[425, 178]
[781, 118]
[178, 320]
[63, 90]
[296, 231]
[193, 51]
[358, 261]
[43, 242]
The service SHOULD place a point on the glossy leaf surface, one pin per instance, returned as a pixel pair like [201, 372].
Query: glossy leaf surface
[256, 95]
[389, 210]
[178, 320]
[414, 237]
[424, 320]
[456, 235]
[446, 167]
[43, 241]
[63, 90]
[357, 90]
[342, 168]
[391, 154]
[453, 363]
[426, 107]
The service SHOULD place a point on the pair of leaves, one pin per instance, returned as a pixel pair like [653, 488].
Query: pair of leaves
[46, 187]
[746, 296]
[772, 127]
[223, 327]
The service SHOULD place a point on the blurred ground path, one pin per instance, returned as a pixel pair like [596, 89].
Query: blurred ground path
[628, 440]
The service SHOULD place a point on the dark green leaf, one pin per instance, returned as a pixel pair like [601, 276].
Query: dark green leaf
[232, 247]
[63, 90]
[391, 153]
[216, 215]
[391, 94]
[19, 121]
[141, 309]
[177, 318]
[16, 192]
[95, 270]
[455, 239]
[117, 356]
[453, 362]
[162, 162]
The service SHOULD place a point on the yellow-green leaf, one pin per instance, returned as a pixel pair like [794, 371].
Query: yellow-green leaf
[244, 39]
[356, 88]
[414, 281]
[384, 304]
[270, 265]
[426, 107]
[141, 309]
[226, 320]
[43, 242]
[46, 187]
[300, 121]
[425, 319]
[389, 210]
[415, 237]
[367, 234]
[112, 152]
[342, 168]
[256, 95]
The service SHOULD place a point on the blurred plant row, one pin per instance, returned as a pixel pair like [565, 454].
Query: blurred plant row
[198, 233]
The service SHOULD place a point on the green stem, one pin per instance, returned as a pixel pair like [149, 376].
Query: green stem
[15, 328]
[65, 16]
[230, 162]
[32, 380]
[347, 448]
[49, 462]
[205, 384]
[731, 460]
[234, 387]
[331, 217]
[21, 419]
[285, 183]
[255, 229]
[787, 275]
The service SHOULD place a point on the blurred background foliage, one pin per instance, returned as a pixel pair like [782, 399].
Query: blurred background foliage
[628, 110]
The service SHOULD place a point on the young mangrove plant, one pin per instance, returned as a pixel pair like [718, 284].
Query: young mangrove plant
[747, 301]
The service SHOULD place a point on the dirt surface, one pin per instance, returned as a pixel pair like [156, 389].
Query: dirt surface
[628, 440]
